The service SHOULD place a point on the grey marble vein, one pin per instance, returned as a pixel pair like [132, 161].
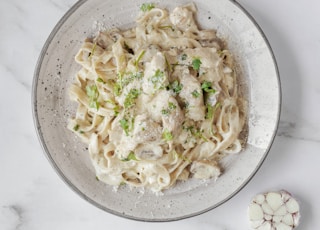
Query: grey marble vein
[62, 6]
[288, 129]
[17, 212]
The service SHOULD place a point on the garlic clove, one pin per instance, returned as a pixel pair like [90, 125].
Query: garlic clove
[281, 211]
[282, 226]
[288, 219]
[255, 212]
[266, 208]
[292, 205]
[277, 219]
[274, 200]
[296, 218]
[256, 223]
[259, 199]
[265, 226]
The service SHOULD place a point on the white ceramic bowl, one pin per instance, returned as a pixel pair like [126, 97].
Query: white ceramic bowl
[52, 108]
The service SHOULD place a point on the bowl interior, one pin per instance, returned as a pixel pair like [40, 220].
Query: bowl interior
[52, 108]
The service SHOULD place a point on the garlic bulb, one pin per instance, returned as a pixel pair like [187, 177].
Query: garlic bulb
[274, 211]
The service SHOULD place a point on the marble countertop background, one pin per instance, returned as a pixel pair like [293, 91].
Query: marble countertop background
[33, 197]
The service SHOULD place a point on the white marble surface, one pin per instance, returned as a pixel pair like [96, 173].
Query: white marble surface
[32, 196]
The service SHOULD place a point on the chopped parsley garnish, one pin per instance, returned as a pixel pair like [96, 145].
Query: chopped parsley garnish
[116, 107]
[146, 7]
[93, 94]
[127, 124]
[165, 111]
[130, 157]
[117, 89]
[157, 77]
[199, 134]
[118, 85]
[171, 105]
[196, 62]
[180, 156]
[124, 79]
[176, 86]
[136, 62]
[184, 57]
[195, 132]
[136, 75]
[195, 94]
[130, 98]
[99, 79]
[124, 123]
[211, 110]
[76, 127]
[209, 113]
[166, 27]
[131, 77]
[186, 105]
[206, 86]
[167, 135]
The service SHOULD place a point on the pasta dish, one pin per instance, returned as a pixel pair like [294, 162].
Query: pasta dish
[157, 103]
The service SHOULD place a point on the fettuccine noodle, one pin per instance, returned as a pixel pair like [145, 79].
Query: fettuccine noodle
[157, 103]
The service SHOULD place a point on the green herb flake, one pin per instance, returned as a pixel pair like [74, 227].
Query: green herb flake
[166, 27]
[186, 105]
[211, 110]
[206, 86]
[130, 98]
[176, 86]
[190, 128]
[118, 86]
[183, 57]
[165, 112]
[124, 123]
[116, 108]
[167, 135]
[180, 156]
[156, 78]
[99, 79]
[195, 94]
[117, 89]
[171, 106]
[136, 62]
[196, 62]
[209, 113]
[76, 127]
[93, 94]
[146, 7]
[137, 75]
[130, 157]
[198, 133]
